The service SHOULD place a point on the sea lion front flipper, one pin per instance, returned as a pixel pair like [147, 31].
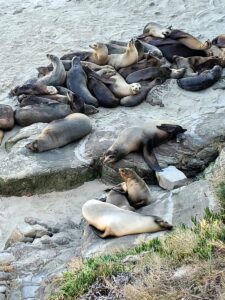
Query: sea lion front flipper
[151, 160]
[120, 188]
[99, 233]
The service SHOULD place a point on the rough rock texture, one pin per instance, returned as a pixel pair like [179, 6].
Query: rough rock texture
[170, 178]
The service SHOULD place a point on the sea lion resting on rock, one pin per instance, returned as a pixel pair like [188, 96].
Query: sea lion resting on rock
[155, 30]
[58, 74]
[34, 89]
[202, 81]
[61, 132]
[145, 137]
[125, 59]
[111, 220]
[219, 41]
[118, 199]
[6, 119]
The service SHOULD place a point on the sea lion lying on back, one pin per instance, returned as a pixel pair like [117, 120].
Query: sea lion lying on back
[155, 30]
[145, 138]
[110, 220]
[61, 132]
[125, 59]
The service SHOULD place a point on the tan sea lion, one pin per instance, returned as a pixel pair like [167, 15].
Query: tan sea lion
[1, 136]
[125, 59]
[100, 54]
[61, 132]
[144, 138]
[137, 190]
[121, 88]
[58, 74]
[119, 199]
[111, 220]
[155, 30]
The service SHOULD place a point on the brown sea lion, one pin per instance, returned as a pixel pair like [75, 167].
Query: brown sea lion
[61, 132]
[32, 99]
[6, 117]
[119, 199]
[145, 138]
[183, 62]
[155, 30]
[219, 41]
[34, 89]
[123, 60]
[111, 220]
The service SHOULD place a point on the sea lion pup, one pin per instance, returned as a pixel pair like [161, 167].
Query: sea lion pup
[121, 88]
[58, 74]
[134, 100]
[137, 190]
[151, 50]
[155, 30]
[183, 62]
[125, 59]
[6, 117]
[61, 132]
[34, 89]
[219, 41]
[100, 54]
[32, 99]
[45, 113]
[154, 72]
[189, 40]
[200, 64]
[116, 49]
[145, 63]
[118, 199]
[111, 220]
[145, 138]
[42, 71]
[202, 81]
[77, 83]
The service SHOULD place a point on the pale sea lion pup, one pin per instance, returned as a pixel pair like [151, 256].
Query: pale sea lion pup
[61, 132]
[155, 30]
[121, 88]
[111, 220]
[58, 74]
[137, 190]
[100, 54]
[125, 59]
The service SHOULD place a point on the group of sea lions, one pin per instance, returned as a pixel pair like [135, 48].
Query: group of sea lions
[112, 74]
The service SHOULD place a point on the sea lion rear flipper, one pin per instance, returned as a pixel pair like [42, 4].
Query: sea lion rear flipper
[163, 223]
[151, 159]
[99, 233]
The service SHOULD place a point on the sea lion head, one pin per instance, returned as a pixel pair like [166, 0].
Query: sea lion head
[52, 57]
[52, 90]
[126, 173]
[111, 156]
[135, 88]
[99, 47]
[131, 43]
[177, 73]
[173, 131]
[76, 61]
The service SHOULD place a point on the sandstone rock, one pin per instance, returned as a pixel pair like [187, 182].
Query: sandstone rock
[171, 178]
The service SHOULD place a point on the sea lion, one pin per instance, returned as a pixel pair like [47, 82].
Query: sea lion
[145, 138]
[45, 113]
[151, 50]
[121, 88]
[219, 41]
[183, 62]
[145, 63]
[100, 54]
[154, 72]
[42, 71]
[77, 83]
[200, 64]
[6, 117]
[34, 89]
[119, 199]
[32, 99]
[189, 40]
[56, 97]
[61, 132]
[137, 190]
[125, 59]
[116, 49]
[155, 30]
[58, 74]
[134, 100]
[1, 136]
[202, 81]
[111, 220]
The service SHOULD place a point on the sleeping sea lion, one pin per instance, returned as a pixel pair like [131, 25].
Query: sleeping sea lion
[77, 83]
[119, 199]
[111, 220]
[155, 30]
[137, 190]
[100, 54]
[154, 72]
[32, 99]
[145, 138]
[61, 132]
[34, 89]
[134, 100]
[6, 117]
[219, 41]
[47, 112]
[58, 74]
[125, 59]
[201, 81]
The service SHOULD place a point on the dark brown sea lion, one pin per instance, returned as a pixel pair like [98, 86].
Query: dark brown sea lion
[144, 138]
[58, 74]
[202, 81]
[145, 63]
[34, 89]
[32, 99]
[183, 62]
[110, 220]
[77, 83]
[61, 132]
[45, 113]
[154, 72]
[219, 41]
[134, 100]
